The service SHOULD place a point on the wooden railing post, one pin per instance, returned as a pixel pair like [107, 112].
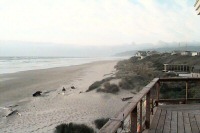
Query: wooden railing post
[152, 106]
[141, 128]
[134, 120]
[148, 111]
[157, 92]
[186, 92]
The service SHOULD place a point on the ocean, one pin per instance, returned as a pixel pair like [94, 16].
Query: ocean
[17, 64]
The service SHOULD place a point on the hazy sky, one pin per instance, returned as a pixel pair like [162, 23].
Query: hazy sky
[99, 22]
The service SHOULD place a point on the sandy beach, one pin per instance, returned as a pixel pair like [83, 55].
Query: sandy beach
[44, 113]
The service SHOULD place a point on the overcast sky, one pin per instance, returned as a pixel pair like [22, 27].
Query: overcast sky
[97, 22]
[140, 23]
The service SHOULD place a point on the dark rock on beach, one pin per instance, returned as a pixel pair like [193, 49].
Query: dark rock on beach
[64, 89]
[72, 87]
[37, 93]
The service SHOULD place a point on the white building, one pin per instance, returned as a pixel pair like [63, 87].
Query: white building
[176, 52]
[149, 53]
[186, 53]
[194, 53]
[190, 53]
[143, 54]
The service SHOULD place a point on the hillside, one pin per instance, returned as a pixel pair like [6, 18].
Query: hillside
[169, 49]
[161, 50]
[158, 61]
[134, 74]
[140, 72]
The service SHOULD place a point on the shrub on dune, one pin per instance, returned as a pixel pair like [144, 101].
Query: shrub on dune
[112, 88]
[94, 86]
[126, 84]
[109, 88]
[99, 123]
[73, 128]
[97, 84]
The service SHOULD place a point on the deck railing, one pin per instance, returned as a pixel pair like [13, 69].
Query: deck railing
[134, 109]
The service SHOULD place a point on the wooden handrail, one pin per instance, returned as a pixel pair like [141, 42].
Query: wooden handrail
[131, 108]
[112, 125]
[177, 79]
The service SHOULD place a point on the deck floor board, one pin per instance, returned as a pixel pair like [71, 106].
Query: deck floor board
[193, 123]
[174, 122]
[167, 126]
[155, 121]
[197, 117]
[180, 123]
[186, 123]
[176, 119]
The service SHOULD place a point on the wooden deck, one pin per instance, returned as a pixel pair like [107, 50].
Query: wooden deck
[183, 118]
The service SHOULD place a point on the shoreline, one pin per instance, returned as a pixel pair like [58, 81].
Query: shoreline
[6, 78]
[7, 67]
[5, 74]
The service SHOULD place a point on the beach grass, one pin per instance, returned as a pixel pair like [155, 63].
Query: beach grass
[73, 128]
[99, 123]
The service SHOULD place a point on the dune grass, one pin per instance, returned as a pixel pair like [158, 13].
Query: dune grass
[109, 88]
[99, 123]
[97, 84]
[73, 128]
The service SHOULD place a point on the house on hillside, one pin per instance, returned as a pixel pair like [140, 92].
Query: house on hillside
[176, 52]
[176, 68]
[186, 53]
[149, 53]
[190, 53]
[194, 53]
[196, 71]
[143, 54]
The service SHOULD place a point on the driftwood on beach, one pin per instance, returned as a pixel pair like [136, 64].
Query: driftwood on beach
[12, 112]
[126, 98]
